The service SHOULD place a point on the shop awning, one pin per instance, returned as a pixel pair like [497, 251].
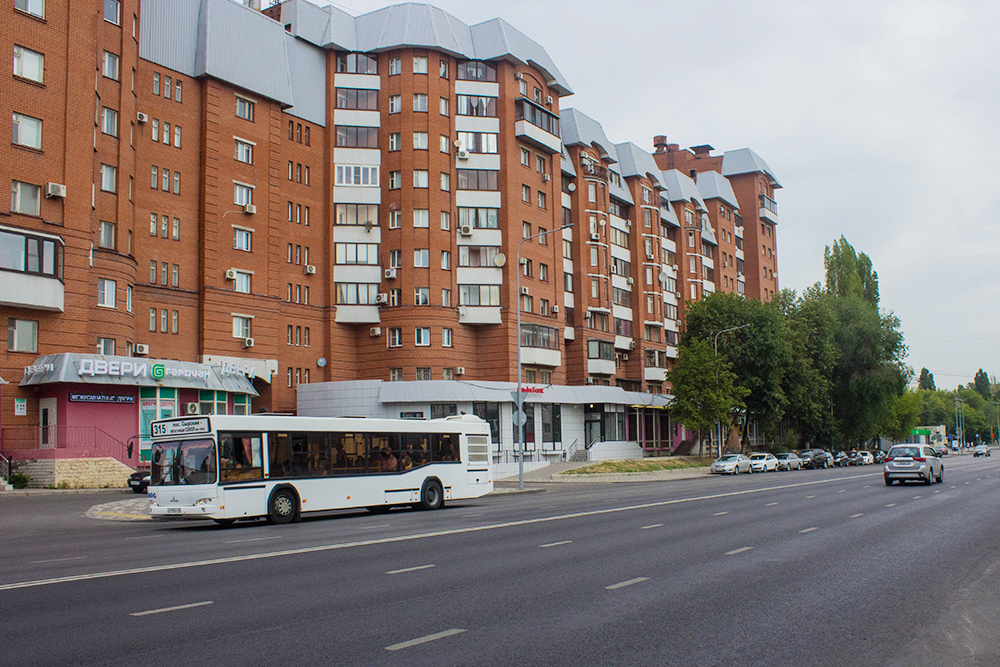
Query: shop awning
[132, 372]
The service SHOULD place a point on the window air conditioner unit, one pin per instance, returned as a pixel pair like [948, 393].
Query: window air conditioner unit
[614, 269]
[55, 190]
[382, 297]
[249, 209]
[624, 357]
[390, 274]
[310, 270]
[142, 117]
[460, 370]
[524, 291]
[518, 76]
[631, 281]
[649, 255]
[677, 294]
[546, 178]
[549, 100]
[230, 274]
[248, 342]
[463, 155]
[631, 345]
[555, 310]
[190, 408]
[594, 236]
[375, 332]
[465, 230]
[141, 348]
[590, 380]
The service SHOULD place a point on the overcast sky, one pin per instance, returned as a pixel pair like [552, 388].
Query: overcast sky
[879, 118]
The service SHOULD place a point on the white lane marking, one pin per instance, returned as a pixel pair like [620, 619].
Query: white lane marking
[953, 487]
[554, 544]
[653, 525]
[810, 496]
[411, 569]
[424, 640]
[891, 505]
[770, 504]
[738, 551]
[937, 492]
[720, 513]
[842, 491]
[809, 530]
[469, 516]
[867, 486]
[855, 516]
[966, 482]
[254, 539]
[381, 525]
[917, 497]
[623, 584]
[406, 538]
[56, 560]
[143, 537]
[166, 609]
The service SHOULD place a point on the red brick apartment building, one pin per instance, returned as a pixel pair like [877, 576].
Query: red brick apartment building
[213, 205]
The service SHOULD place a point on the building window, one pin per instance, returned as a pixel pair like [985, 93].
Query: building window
[395, 337]
[422, 336]
[394, 142]
[421, 217]
[541, 199]
[420, 141]
[395, 103]
[242, 282]
[110, 65]
[420, 64]
[446, 260]
[22, 335]
[423, 373]
[242, 194]
[525, 157]
[395, 66]
[474, 70]
[446, 298]
[421, 258]
[244, 108]
[174, 321]
[443, 106]
[420, 102]
[112, 11]
[25, 198]
[109, 178]
[241, 326]
[476, 105]
[177, 182]
[446, 337]
[106, 346]
[33, 7]
[526, 194]
[175, 275]
[357, 175]
[28, 64]
[109, 122]
[395, 375]
[478, 179]
[105, 293]
[106, 234]
[350, 98]
[420, 178]
[242, 239]
[244, 151]
[395, 180]
[445, 220]
[356, 63]
[27, 131]
[421, 296]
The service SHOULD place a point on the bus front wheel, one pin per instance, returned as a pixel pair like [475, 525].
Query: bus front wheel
[431, 497]
[281, 507]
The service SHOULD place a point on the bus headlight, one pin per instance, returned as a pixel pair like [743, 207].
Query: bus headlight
[203, 501]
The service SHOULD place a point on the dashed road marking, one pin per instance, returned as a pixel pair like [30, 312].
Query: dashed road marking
[254, 539]
[166, 609]
[654, 525]
[554, 544]
[411, 569]
[623, 584]
[809, 530]
[381, 525]
[891, 505]
[770, 504]
[842, 491]
[917, 497]
[810, 496]
[720, 513]
[56, 560]
[738, 551]
[855, 516]
[425, 639]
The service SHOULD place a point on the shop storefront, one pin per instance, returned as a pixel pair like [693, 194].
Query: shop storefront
[102, 406]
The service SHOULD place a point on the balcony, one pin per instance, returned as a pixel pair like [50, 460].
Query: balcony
[540, 356]
[594, 170]
[479, 315]
[357, 314]
[768, 209]
[27, 290]
[537, 137]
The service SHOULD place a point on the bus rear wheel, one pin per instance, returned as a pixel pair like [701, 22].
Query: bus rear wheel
[431, 497]
[281, 506]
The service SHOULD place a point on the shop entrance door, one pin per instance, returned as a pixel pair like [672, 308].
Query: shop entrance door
[47, 422]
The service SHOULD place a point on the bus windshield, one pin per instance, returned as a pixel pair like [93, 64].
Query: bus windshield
[184, 462]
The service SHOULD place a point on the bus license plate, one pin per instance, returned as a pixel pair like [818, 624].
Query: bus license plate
[173, 510]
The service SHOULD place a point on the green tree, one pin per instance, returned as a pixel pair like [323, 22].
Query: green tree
[926, 379]
[904, 415]
[849, 273]
[704, 389]
[981, 383]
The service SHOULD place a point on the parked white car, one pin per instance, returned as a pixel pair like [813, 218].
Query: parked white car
[763, 463]
[866, 458]
[731, 464]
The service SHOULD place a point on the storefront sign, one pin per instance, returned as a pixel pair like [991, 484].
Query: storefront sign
[101, 398]
[94, 367]
[20, 407]
[230, 368]
[532, 390]
[40, 368]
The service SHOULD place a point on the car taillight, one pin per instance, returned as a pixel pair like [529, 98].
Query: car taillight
[921, 459]
[887, 459]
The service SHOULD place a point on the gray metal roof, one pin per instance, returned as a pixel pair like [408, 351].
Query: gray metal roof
[579, 128]
[307, 66]
[633, 161]
[566, 164]
[680, 187]
[66, 367]
[620, 192]
[707, 233]
[713, 185]
[218, 38]
[745, 161]
[454, 390]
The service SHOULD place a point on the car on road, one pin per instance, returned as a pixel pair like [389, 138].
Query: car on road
[816, 458]
[866, 457]
[841, 459]
[980, 450]
[912, 462]
[941, 450]
[763, 463]
[788, 461]
[731, 464]
[879, 457]
[139, 481]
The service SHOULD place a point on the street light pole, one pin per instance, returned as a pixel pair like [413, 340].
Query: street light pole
[520, 396]
[716, 344]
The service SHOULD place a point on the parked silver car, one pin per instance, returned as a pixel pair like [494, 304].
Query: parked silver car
[731, 464]
[912, 461]
[788, 461]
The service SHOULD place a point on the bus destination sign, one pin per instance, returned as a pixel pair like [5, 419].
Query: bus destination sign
[180, 427]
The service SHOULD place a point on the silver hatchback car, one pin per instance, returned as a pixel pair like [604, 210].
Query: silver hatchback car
[912, 461]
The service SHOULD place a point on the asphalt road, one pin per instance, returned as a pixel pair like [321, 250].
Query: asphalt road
[793, 568]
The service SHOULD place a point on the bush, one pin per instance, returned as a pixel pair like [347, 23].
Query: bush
[19, 480]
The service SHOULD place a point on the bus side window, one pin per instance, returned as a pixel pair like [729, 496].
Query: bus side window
[280, 453]
[240, 456]
[444, 446]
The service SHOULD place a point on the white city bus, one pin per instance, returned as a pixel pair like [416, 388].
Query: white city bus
[230, 467]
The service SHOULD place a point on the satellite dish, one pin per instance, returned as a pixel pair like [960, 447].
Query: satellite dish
[321, 362]
[500, 259]
[572, 187]
[663, 276]
[368, 226]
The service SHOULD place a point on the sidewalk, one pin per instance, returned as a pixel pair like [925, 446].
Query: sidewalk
[20, 493]
[553, 473]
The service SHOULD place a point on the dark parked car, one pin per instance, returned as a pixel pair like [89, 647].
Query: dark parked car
[816, 458]
[879, 456]
[139, 481]
[841, 459]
